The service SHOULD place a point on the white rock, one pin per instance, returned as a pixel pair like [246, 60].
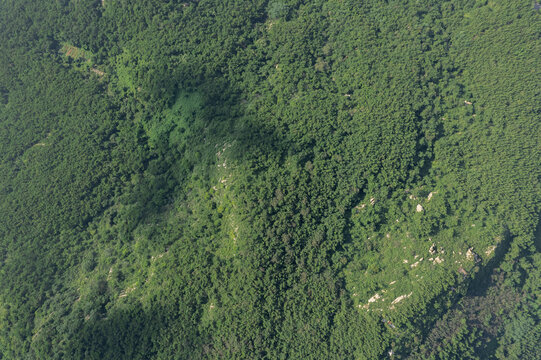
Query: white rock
[490, 250]
[401, 297]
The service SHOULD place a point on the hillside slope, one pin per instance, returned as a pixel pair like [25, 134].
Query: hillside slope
[270, 179]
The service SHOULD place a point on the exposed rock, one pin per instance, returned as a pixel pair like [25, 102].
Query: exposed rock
[401, 297]
[419, 208]
[127, 291]
[97, 72]
[469, 254]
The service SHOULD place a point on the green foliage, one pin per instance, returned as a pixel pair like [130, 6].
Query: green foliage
[277, 9]
[269, 179]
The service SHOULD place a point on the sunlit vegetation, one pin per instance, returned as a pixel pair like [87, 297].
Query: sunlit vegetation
[270, 179]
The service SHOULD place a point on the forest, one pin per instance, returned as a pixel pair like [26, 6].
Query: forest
[270, 179]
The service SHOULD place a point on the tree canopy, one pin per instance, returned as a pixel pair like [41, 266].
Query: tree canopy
[275, 179]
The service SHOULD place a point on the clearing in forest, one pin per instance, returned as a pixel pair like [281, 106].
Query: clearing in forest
[75, 52]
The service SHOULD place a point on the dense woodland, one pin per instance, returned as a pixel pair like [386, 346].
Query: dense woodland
[275, 179]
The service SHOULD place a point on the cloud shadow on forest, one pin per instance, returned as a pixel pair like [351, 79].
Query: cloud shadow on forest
[135, 331]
